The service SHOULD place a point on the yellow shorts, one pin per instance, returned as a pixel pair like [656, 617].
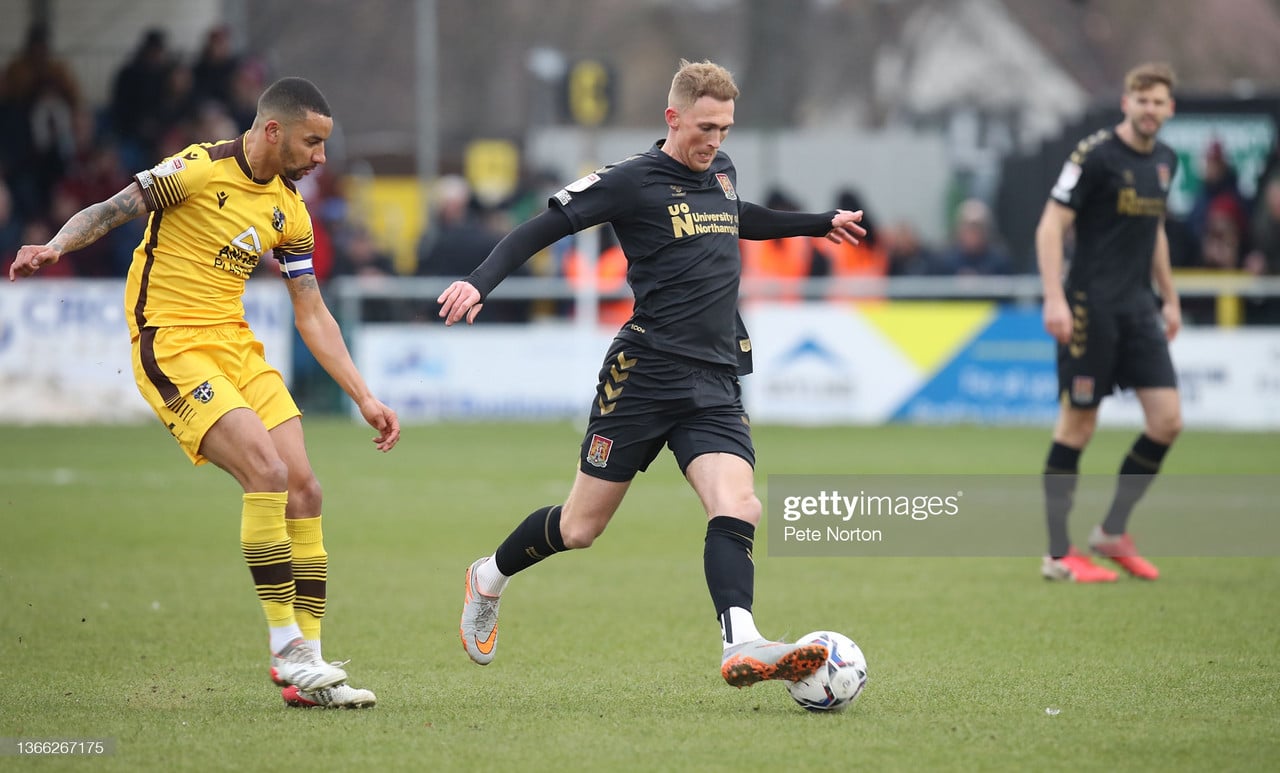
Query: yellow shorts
[191, 377]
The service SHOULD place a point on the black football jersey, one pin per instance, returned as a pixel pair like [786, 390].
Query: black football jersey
[1118, 195]
[679, 231]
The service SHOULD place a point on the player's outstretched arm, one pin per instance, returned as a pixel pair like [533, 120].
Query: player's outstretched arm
[465, 297]
[321, 334]
[84, 228]
[757, 223]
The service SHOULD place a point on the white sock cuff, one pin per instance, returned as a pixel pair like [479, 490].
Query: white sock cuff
[283, 635]
[489, 580]
[737, 625]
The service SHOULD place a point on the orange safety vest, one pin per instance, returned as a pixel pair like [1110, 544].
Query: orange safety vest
[611, 276]
[782, 263]
[852, 260]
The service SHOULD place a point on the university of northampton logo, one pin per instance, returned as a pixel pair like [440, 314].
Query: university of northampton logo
[202, 393]
[727, 186]
[598, 451]
[277, 219]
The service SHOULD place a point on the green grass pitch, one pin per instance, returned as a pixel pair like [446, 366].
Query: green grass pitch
[126, 612]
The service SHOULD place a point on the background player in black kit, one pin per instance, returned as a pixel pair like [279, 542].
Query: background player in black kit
[671, 375]
[1111, 330]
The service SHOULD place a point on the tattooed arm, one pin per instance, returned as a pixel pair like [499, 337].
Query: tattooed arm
[321, 334]
[84, 228]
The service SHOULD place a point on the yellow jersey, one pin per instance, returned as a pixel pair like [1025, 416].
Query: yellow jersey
[211, 221]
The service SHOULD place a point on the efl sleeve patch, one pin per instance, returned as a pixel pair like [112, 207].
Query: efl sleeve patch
[173, 180]
[168, 166]
[1067, 179]
[582, 183]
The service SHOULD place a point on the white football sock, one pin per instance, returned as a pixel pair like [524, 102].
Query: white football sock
[737, 625]
[283, 635]
[489, 580]
[314, 644]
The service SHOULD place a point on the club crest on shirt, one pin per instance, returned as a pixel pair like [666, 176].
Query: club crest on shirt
[277, 219]
[202, 393]
[598, 451]
[1162, 171]
[727, 186]
[1082, 389]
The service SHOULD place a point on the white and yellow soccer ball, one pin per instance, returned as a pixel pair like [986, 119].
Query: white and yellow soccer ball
[836, 685]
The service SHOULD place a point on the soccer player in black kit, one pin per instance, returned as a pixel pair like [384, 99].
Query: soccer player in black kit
[671, 376]
[1110, 328]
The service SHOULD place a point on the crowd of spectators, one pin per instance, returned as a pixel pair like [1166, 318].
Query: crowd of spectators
[59, 154]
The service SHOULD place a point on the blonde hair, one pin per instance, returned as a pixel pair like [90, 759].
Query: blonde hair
[1144, 76]
[695, 80]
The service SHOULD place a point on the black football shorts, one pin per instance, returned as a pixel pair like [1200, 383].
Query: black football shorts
[1111, 348]
[645, 400]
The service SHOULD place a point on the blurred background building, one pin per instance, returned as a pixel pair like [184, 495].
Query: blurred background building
[918, 104]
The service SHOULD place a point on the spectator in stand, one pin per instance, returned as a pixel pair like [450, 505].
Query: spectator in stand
[1222, 238]
[974, 249]
[96, 174]
[1264, 259]
[211, 119]
[908, 255]
[214, 72]
[611, 277]
[39, 98]
[357, 254]
[10, 225]
[866, 259]
[1219, 219]
[140, 85]
[778, 267]
[249, 81]
[177, 113]
[458, 239]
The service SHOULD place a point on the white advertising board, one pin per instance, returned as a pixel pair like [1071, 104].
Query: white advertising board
[65, 356]
[431, 373]
[1228, 379]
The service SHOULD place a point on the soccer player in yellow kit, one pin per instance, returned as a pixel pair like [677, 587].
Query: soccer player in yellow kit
[215, 210]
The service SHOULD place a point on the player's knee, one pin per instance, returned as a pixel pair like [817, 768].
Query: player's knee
[306, 496]
[265, 472]
[747, 508]
[1164, 429]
